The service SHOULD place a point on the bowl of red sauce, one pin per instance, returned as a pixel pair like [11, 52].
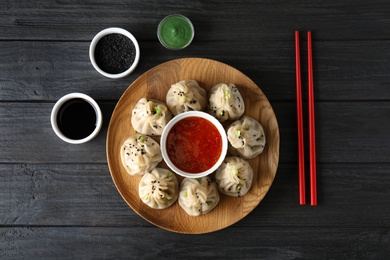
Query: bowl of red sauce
[194, 144]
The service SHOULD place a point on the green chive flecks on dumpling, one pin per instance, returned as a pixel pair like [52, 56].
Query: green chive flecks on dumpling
[198, 196]
[140, 154]
[158, 189]
[226, 102]
[150, 117]
[186, 95]
[234, 177]
[246, 138]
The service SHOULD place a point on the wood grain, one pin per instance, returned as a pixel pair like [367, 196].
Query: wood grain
[154, 84]
[46, 70]
[355, 132]
[213, 21]
[149, 243]
[59, 200]
[85, 195]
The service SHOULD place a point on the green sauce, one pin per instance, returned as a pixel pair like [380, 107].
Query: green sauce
[175, 32]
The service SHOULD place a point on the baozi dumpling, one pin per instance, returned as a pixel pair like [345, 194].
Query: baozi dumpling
[246, 138]
[226, 102]
[158, 189]
[198, 196]
[186, 95]
[234, 176]
[140, 154]
[149, 117]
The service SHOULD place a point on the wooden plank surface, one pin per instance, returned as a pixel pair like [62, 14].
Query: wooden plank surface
[238, 243]
[233, 20]
[84, 195]
[46, 70]
[59, 201]
[353, 132]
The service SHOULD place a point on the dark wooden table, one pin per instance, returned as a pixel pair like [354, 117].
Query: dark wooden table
[58, 200]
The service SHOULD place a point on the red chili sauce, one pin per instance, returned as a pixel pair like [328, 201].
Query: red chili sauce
[194, 144]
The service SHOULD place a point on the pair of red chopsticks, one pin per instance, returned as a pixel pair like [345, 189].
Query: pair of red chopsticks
[312, 144]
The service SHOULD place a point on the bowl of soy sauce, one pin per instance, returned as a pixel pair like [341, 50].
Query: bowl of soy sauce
[114, 52]
[76, 118]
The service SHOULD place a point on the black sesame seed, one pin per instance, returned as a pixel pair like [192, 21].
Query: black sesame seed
[114, 53]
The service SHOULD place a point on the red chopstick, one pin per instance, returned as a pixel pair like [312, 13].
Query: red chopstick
[301, 160]
[312, 143]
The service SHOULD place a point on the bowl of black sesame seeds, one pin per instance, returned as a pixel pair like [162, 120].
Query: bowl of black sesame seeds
[114, 52]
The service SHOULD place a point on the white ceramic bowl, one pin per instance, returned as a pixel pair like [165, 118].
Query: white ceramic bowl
[108, 31]
[62, 101]
[168, 128]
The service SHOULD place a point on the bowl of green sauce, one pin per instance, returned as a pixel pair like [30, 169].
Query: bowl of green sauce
[114, 52]
[175, 32]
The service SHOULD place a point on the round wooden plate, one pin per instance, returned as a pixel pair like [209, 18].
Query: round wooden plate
[154, 84]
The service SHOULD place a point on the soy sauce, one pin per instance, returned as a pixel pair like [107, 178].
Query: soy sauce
[76, 119]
